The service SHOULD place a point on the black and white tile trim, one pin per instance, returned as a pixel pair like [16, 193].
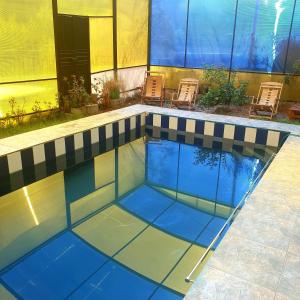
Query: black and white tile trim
[192, 129]
[29, 165]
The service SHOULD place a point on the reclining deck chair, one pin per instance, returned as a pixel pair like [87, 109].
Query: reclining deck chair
[154, 88]
[186, 94]
[267, 102]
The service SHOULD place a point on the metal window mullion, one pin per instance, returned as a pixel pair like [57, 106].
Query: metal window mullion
[115, 38]
[149, 34]
[233, 39]
[289, 39]
[186, 31]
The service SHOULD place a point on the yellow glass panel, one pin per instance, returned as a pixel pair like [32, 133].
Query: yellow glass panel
[104, 165]
[26, 40]
[101, 44]
[30, 216]
[5, 294]
[85, 7]
[176, 280]
[110, 230]
[290, 91]
[92, 202]
[174, 75]
[132, 32]
[153, 254]
[131, 166]
[27, 93]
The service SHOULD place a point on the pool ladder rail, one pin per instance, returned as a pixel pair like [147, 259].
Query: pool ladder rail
[229, 220]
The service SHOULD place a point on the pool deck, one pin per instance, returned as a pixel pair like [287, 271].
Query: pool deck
[259, 258]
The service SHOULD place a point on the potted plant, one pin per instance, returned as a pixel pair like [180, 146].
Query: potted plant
[111, 93]
[91, 107]
[78, 97]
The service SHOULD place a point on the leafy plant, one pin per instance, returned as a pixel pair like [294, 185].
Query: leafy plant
[17, 113]
[112, 88]
[107, 90]
[223, 90]
[37, 109]
[295, 71]
[52, 109]
[77, 94]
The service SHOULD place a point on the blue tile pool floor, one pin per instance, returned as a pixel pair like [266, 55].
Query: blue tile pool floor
[70, 267]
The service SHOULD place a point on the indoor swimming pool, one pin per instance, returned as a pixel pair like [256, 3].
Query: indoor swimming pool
[128, 224]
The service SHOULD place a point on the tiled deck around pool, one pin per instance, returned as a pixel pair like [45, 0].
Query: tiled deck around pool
[259, 256]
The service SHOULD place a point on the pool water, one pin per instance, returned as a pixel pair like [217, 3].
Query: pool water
[129, 224]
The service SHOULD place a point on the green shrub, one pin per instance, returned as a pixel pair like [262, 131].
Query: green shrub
[222, 90]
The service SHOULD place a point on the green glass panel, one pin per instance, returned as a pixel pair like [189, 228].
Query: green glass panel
[131, 166]
[153, 254]
[110, 230]
[30, 216]
[26, 93]
[85, 7]
[132, 32]
[92, 202]
[27, 49]
[101, 44]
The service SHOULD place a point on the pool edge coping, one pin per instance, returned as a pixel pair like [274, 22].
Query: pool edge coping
[30, 139]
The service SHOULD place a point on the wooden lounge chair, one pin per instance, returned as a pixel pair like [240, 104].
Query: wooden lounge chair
[186, 94]
[153, 90]
[267, 102]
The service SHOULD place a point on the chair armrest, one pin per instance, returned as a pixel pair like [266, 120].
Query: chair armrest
[173, 94]
[252, 99]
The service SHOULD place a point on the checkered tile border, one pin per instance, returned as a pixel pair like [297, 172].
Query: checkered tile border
[192, 131]
[23, 167]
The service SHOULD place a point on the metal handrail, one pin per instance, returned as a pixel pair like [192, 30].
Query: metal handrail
[229, 220]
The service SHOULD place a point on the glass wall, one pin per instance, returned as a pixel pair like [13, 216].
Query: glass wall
[101, 44]
[293, 59]
[27, 52]
[85, 8]
[209, 39]
[132, 32]
[253, 37]
[254, 34]
[168, 32]
[27, 45]
[261, 35]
